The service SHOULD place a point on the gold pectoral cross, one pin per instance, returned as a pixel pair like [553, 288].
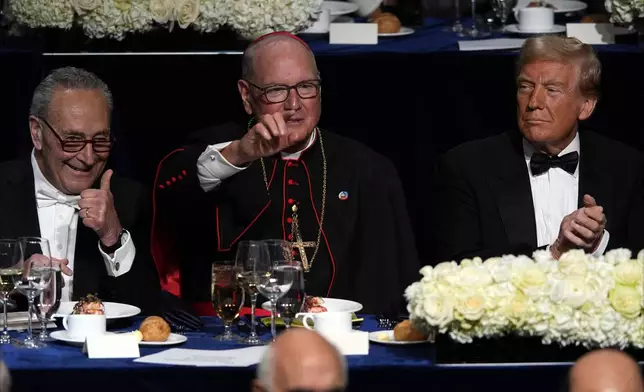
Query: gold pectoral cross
[299, 244]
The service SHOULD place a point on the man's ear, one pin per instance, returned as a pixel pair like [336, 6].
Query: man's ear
[35, 130]
[587, 108]
[258, 386]
[244, 92]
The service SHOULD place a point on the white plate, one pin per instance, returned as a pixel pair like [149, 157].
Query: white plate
[337, 8]
[387, 337]
[514, 29]
[63, 337]
[403, 31]
[172, 339]
[331, 305]
[113, 310]
[561, 6]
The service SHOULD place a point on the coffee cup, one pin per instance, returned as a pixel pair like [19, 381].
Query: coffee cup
[328, 322]
[83, 325]
[322, 23]
[535, 19]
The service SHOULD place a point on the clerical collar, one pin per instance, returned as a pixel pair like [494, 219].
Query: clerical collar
[529, 149]
[296, 155]
[40, 182]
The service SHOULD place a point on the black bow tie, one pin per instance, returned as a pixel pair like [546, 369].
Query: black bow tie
[541, 163]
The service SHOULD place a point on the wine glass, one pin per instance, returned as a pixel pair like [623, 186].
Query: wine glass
[252, 262]
[10, 269]
[279, 280]
[502, 9]
[291, 303]
[474, 31]
[227, 296]
[457, 26]
[36, 274]
[48, 301]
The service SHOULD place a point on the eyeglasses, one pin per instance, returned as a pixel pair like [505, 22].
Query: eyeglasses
[99, 145]
[279, 93]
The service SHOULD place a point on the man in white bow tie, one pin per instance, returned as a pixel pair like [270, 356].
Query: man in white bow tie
[97, 224]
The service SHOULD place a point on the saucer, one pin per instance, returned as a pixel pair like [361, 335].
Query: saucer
[403, 31]
[514, 29]
[387, 337]
[62, 336]
[172, 340]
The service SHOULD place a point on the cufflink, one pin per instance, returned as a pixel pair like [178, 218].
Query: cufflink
[117, 266]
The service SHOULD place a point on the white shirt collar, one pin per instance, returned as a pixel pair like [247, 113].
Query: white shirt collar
[529, 149]
[42, 184]
[296, 155]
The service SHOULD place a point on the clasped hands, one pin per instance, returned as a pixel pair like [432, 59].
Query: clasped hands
[98, 213]
[268, 137]
[582, 229]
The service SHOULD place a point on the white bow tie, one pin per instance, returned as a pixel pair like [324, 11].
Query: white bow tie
[48, 198]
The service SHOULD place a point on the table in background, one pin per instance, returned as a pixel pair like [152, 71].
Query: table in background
[385, 368]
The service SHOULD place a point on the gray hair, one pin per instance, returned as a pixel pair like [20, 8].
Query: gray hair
[248, 59]
[266, 368]
[567, 51]
[66, 78]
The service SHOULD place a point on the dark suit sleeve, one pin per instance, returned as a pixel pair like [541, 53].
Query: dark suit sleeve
[140, 285]
[384, 243]
[457, 231]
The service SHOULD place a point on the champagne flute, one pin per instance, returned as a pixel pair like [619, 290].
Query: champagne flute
[48, 302]
[36, 275]
[252, 261]
[10, 270]
[291, 304]
[227, 296]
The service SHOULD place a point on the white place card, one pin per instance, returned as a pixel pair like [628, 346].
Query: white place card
[595, 33]
[112, 346]
[243, 357]
[353, 33]
[349, 343]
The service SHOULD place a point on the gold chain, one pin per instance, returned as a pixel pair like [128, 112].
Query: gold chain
[295, 224]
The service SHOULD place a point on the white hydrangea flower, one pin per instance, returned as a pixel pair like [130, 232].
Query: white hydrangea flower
[43, 13]
[117, 18]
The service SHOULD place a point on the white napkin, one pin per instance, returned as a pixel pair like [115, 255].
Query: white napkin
[491, 44]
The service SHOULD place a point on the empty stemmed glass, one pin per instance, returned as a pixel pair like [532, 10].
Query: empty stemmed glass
[227, 296]
[292, 302]
[502, 9]
[36, 274]
[457, 26]
[275, 285]
[10, 270]
[48, 301]
[474, 31]
[252, 262]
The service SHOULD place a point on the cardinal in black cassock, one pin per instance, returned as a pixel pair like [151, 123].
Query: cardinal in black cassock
[338, 202]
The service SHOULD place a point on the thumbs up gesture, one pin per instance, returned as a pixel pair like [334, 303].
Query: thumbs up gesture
[98, 213]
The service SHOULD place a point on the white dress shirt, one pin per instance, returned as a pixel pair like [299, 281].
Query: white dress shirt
[213, 168]
[58, 221]
[555, 194]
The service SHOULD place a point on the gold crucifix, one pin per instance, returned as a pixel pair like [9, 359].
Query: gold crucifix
[299, 244]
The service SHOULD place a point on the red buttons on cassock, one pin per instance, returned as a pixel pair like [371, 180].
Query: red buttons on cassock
[180, 178]
[174, 179]
[290, 236]
[291, 201]
[289, 220]
[184, 172]
[168, 183]
[161, 186]
[291, 182]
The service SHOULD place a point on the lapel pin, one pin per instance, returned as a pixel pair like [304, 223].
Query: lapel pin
[344, 195]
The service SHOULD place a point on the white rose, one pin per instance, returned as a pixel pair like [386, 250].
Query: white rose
[628, 273]
[438, 311]
[531, 280]
[498, 269]
[617, 256]
[571, 291]
[570, 264]
[161, 10]
[471, 277]
[83, 6]
[445, 269]
[471, 307]
[427, 272]
[186, 12]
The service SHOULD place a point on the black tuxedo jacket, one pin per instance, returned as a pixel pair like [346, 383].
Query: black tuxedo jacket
[139, 286]
[485, 207]
[367, 237]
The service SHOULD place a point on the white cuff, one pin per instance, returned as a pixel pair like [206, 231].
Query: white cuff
[213, 168]
[603, 244]
[121, 262]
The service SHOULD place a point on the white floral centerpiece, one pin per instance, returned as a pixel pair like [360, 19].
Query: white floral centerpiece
[625, 11]
[577, 300]
[117, 18]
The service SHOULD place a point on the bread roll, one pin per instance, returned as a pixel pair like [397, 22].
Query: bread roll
[405, 331]
[388, 23]
[154, 329]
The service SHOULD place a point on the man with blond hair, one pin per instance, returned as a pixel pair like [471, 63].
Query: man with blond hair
[548, 186]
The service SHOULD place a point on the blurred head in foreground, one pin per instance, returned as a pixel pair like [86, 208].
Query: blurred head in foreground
[605, 371]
